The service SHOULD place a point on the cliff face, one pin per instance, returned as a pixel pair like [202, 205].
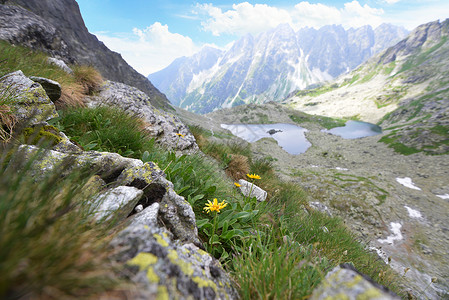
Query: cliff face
[77, 44]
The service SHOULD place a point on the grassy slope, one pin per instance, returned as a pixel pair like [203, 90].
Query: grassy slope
[261, 235]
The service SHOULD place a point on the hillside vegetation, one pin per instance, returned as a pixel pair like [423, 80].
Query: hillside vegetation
[276, 249]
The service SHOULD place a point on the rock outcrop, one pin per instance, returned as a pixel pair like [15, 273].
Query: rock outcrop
[56, 27]
[165, 127]
[159, 245]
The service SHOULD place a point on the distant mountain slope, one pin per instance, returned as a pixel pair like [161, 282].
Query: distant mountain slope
[78, 45]
[405, 89]
[270, 66]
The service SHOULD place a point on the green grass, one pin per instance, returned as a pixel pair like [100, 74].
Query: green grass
[317, 91]
[326, 122]
[301, 236]
[104, 129]
[50, 245]
[309, 241]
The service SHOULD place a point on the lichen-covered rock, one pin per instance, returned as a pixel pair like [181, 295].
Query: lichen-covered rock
[168, 269]
[51, 87]
[122, 199]
[164, 126]
[249, 189]
[31, 102]
[175, 211]
[344, 282]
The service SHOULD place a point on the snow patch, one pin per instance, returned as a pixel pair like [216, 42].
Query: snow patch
[413, 213]
[396, 235]
[380, 253]
[341, 169]
[407, 182]
[445, 196]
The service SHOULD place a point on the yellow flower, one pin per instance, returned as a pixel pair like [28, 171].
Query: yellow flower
[253, 176]
[214, 206]
[236, 184]
[179, 134]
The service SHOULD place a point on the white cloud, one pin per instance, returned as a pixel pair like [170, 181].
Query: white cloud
[392, 1]
[242, 19]
[151, 49]
[246, 18]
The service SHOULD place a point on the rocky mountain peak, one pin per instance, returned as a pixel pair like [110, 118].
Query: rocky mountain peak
[423, 36]
[269, 66]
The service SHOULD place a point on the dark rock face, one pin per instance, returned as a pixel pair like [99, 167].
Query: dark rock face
[57, 27]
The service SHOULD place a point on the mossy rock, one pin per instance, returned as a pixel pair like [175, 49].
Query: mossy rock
[46, 134]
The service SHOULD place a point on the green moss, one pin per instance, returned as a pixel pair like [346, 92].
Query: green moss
[42, 134]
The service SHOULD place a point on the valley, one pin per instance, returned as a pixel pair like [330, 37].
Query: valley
[357, 181]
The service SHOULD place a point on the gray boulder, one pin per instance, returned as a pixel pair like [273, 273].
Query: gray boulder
[164, 126]
[31, 102]
[122, 198]
[249, 189]
[346, 280]
[51, 87]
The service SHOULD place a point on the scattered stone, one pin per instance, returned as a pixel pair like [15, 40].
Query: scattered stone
[139, 208]
[249, 189]
[51, 87]
[32, 104]
[273, 131]
[60, 63]
[346, 281]
[147, 216]
[321, 207]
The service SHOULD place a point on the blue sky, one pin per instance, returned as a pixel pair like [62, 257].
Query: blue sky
[151, 33]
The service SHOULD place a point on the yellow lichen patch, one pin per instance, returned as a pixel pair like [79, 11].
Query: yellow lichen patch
[160, 240]
[146, 227]
[151, 275]
[145, 261]
[162, 293]
[185, 267]
[371, 293]
[340, 296]
[354, 281]
[202, 252]
[204, 283]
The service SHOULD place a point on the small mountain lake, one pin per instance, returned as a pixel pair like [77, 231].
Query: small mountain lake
[355, 130]
[290, 137]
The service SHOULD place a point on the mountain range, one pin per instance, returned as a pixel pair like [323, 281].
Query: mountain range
[405, 88]
[269, 66]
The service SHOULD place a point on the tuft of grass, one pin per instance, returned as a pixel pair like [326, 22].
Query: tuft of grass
[74, 87]
[89, 78]
[7, 118]
[50, 245]
[104, 129]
